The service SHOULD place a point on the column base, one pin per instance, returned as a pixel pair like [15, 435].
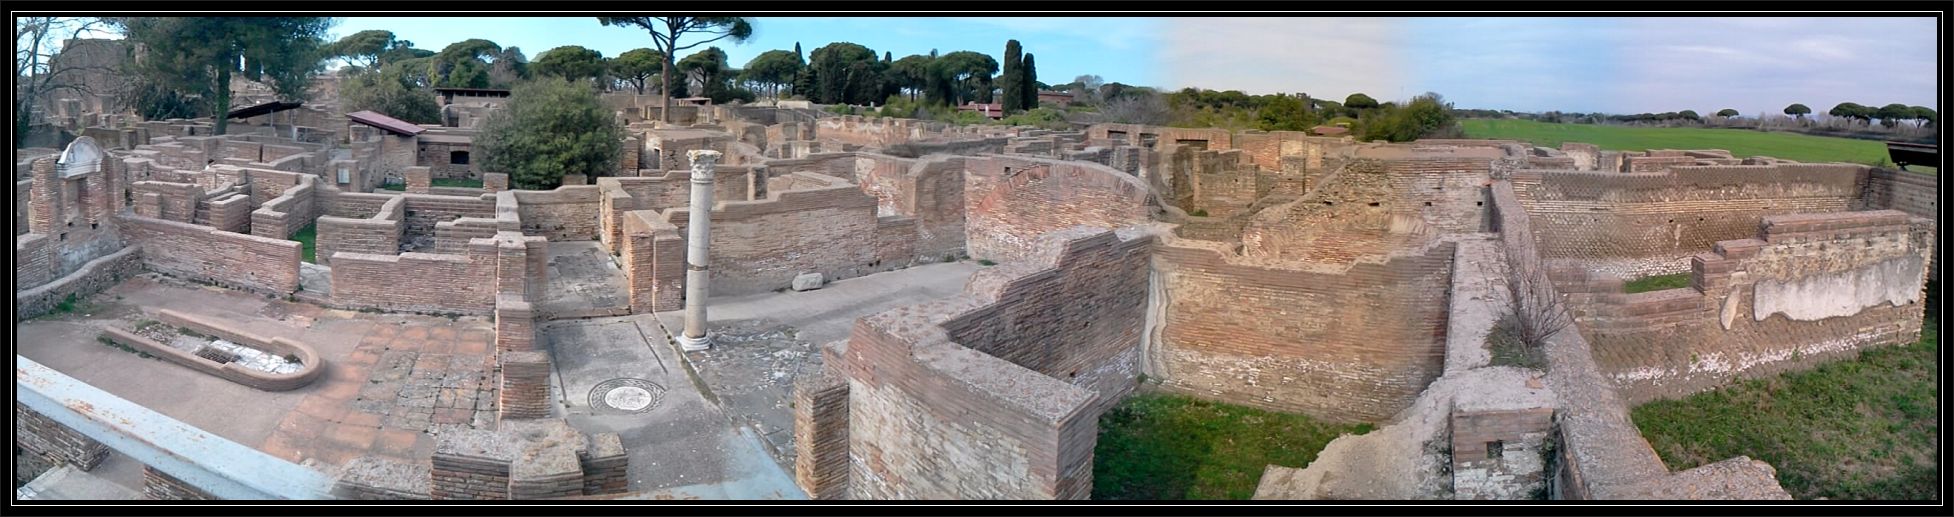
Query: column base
[691, 344]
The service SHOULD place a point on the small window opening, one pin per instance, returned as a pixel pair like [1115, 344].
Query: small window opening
[458, 157]
[1495, 449]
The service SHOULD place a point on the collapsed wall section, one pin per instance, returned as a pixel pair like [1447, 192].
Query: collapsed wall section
[1011, 200]
[1811, 288]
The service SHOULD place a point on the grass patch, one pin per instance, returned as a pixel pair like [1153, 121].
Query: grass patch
[1168, 447]
[1857, 429]
[309, 238]
[987, 262]
[1656, 283]
[1508, 349]
[67, 305]
[455, 182]
[1741, 143]
[396, 187]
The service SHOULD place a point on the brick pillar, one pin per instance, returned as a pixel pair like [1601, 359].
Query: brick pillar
[525, 385]
[821, 436]
[469, 464]
[44, 204]
[515, 324]
[603, 464]
[511, 264]
[495, 181]
[419, 179]
[158, 486]
[37, 434]
[538, 254]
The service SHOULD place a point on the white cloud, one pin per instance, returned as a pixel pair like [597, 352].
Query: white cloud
[1326, 57]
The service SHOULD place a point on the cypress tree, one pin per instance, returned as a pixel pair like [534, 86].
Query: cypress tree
[1028, 79]
[1010, 79]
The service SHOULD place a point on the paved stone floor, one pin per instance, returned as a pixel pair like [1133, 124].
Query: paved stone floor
[584, 282]
[763, 342]
[388, 376]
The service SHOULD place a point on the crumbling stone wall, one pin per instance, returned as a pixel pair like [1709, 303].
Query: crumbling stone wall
[1352, 343]
[94, 277]
[1371, 208]
[1914, 193]
[1655, 221]
[1009, 201]
[931, 418]
[1811, 288]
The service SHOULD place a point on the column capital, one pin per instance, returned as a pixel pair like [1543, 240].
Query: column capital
[703, 161]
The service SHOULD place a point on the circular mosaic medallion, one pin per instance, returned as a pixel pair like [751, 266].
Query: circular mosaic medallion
[627, 395]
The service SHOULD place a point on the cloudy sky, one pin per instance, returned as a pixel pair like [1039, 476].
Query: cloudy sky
[1616, 65]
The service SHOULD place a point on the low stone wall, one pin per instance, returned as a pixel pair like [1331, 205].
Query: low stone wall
[378, 234]
[417, 282]
[288, 213]
[314, 366]
[93, 277]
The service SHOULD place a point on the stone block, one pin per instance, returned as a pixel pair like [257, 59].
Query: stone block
[808, 282]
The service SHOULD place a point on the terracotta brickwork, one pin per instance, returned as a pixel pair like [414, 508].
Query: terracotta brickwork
[1655, 221]
[525, 384]
[821, 436]
[759, 246]
[1914, 193]
[37, 434]
[932, 418]
[286, 214]
[159, 486]
[94, 277]
[564, 214]
[377, 233]
[1353, 343]
[205, 254]
[1010, 201]
[1811, 288]
[456, 283]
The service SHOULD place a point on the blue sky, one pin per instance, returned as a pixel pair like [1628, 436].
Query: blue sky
[1615, 65]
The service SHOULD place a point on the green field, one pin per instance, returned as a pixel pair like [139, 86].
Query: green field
[1656, 283]
[1863, 428]
[1171, 447]
[1740, 142]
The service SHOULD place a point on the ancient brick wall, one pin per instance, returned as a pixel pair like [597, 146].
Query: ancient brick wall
[1655, 221]
[231, 213]
[1498, 454]
[33, 261]
[821, 435]
[652, 255]
[378, 234]
[931, 418]
[94, 277]
[1010, 201]
[166, 200]
[452, 237]
[23, 190]
[1914, 193]
[159, 486]
[285, 215]
[1811, 288]
[525, 384]
[39, 435]
[453, 283]
[758, 246]
[1064, 310]
[424, 211]
[205, 254]
[1371, 208]
[1355, 343]
[564, 214]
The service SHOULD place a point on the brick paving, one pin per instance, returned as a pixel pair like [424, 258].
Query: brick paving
[400, 380]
